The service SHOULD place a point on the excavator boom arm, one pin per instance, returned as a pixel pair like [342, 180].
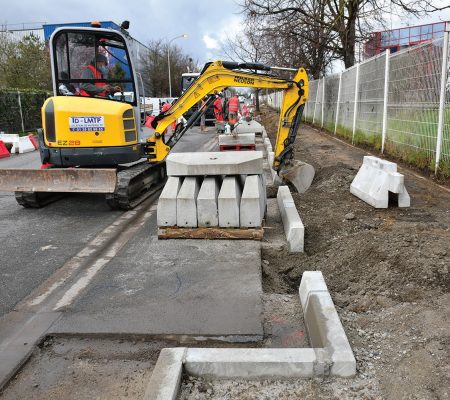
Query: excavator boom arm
[219, 75]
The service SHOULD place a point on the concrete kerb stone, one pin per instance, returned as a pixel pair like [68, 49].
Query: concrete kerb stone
[229, 201]
[293, 225]
[249, 127]
[323, 324]
[207, 202]
[331, 352]
[215, 163]
[253, 202]
[275, 178]
[187, 202]
[167, 203]
[240, 138]
[165, 381]
[218, 363]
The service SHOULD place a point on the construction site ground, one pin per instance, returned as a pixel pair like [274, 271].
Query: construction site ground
[387, 272]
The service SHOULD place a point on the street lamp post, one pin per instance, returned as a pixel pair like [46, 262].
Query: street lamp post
[184, 35]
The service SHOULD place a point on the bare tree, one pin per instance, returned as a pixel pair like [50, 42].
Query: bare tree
[155, 68]
[331, 28]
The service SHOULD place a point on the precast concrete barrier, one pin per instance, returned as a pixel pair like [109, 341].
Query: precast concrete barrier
[375, 179]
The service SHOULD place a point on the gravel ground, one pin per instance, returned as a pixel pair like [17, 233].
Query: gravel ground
[388, 274]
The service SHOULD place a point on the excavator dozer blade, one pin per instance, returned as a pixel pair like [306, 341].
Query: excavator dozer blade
[299, 174]
[63, 180]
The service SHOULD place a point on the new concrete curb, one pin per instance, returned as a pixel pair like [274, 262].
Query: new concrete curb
[323, 324]
[331, 353]
[293, 225]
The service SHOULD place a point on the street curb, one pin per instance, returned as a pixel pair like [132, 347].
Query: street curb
[331, 353]
[323, 324]
[292, 223]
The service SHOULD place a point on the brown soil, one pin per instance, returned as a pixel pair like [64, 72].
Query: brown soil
[387, 269]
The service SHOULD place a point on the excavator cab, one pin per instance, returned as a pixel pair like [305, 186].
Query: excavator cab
[90, 121]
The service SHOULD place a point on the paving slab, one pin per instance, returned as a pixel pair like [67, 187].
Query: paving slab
[215, 163]
[181, 287]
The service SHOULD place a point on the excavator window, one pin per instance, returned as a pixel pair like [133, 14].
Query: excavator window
[86, 63]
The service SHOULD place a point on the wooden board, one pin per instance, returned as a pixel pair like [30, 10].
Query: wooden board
[211, 233]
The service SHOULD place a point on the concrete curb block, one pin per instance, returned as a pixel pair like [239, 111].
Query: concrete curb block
[165, 381]
[250, 363]
[323, 324]
[331, 353]
[293, 225]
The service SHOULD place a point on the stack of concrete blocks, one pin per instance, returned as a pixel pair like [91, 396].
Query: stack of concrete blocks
[215, 189]
[375, 179]
[292, 223]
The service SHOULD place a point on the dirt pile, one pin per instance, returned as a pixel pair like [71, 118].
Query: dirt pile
[387, 270]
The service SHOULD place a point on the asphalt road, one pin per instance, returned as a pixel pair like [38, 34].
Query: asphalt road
[35, 243]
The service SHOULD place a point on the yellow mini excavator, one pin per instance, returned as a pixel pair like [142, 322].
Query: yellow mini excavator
[94, 141]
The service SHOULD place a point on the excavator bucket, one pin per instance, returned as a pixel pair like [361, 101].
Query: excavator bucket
[63, 180]
[299, 174]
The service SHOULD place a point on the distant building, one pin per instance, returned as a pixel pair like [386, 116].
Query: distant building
[397, 39]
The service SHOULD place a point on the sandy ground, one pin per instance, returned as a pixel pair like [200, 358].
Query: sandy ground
[86, 369]
[387, 271]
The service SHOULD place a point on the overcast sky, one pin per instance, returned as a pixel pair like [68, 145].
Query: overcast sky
[205, 21]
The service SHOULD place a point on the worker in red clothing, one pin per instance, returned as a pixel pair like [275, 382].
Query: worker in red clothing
[218, 109]
[233, 109]
[94, 71]
[245, 111]
[164, 108]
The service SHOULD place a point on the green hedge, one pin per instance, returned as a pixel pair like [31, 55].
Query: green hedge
[31, 101]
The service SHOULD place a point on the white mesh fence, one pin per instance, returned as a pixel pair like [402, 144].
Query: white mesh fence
[347, 102]
[413, 105]
[445, 150]
[409, 110]
[311, 103]
[369, 115]
[330, 101]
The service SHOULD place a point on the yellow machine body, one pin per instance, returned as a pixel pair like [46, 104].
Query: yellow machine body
[75, 121]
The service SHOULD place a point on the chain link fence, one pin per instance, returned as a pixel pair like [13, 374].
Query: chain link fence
[399, 104]
[20, 111]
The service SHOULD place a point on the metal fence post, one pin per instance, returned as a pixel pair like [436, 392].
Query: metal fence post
[20, 111]
[315, 101]
[442, 98]
[337, 104]
[323, 99]
[356, 103]
[385, 100]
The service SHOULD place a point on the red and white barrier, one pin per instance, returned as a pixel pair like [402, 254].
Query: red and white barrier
[3, 150]
[34, 141]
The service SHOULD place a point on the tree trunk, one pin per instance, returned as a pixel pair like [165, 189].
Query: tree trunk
[350, 34]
